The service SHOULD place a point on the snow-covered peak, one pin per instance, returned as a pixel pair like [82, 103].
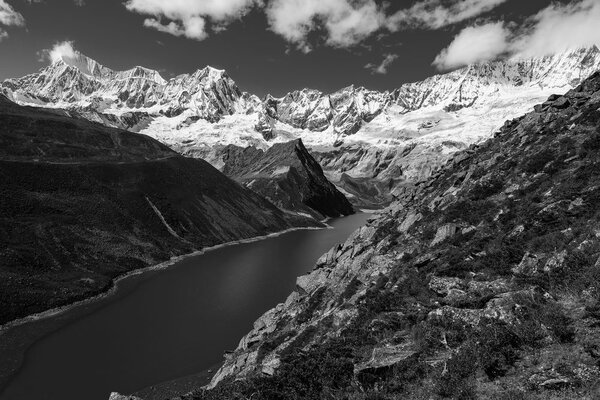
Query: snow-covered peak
[142, 73]
[75, 81]
[85, 64]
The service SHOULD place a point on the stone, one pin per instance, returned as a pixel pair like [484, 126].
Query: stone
[386, 356]
[443, 286]
[410, 219]
[528, 265]
[117, 396]
[444, 232]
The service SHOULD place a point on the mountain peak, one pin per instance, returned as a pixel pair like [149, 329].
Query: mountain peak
[83, 63]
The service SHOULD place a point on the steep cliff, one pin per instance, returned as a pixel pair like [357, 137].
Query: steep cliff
[482, 283]
[82, 204]
[288, 176]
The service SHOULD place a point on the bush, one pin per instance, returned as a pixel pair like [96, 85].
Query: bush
[538, 161]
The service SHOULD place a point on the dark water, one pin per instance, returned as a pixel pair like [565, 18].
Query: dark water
[171, 323]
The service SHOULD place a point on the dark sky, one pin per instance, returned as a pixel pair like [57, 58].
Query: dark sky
[255, 57]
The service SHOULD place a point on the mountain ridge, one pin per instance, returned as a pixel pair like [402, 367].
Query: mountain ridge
[370, 144]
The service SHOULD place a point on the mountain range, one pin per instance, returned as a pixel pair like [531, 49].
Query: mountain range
[372, 145]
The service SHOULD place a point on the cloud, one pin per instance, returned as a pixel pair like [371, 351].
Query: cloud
[193, 28]
[340, 23]
[555, 29]
[474, 44]
[58, 51]
[9, 17]
[558, 28]
[383, 67]
[79, 3]
[345, 22]
[436, 14]
[189, 17]
[348, 22]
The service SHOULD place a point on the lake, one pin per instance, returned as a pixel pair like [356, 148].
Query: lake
[161, 325]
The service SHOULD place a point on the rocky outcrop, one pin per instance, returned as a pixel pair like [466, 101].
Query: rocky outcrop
[481, 283]
[288, 176]
[345, 111]
[82, 204]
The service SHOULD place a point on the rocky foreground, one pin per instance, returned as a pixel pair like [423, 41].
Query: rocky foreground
[481, 284]
[82, 204]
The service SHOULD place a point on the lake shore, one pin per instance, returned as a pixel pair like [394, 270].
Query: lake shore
[13, 345]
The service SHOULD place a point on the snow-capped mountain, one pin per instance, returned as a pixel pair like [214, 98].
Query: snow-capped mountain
[367, 141]
[82, 84]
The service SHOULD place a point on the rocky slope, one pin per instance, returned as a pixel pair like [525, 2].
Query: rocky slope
[81, 204]
[481, 284]
[373, 145]
[288, 176]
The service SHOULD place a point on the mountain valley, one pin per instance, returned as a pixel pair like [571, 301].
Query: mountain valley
[82, 204]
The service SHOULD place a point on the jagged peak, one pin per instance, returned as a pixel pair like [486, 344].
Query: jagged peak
[143, 72]
[84, 64]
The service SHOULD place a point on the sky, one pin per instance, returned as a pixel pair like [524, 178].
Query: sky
[276, 46]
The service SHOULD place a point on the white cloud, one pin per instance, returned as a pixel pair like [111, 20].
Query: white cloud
[192, 28]
[58, 51]
[383, 67]
[79, 3]
[555, 29]
[474, 44]
[188, 17]
[560, 27]
[436, 14]
[345, 22]
[9, 17]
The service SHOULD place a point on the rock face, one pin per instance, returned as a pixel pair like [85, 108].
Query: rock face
[82, 204]
[81, 84]
[481, 283]
[288, 176]
[374, 145]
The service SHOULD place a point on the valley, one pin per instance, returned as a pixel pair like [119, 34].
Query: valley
[476, 277]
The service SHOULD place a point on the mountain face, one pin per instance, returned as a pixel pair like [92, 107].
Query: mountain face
[81, 84]
[483, 283]
[82, 204]
[372, 145]
[288, 176]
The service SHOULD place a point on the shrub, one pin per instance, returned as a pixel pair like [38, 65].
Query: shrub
[538, 161]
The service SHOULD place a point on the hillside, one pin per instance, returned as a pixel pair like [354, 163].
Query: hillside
[481, 284]
[81, 204]
[288, 176]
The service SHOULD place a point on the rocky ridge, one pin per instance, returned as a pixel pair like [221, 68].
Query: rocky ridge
[482, 283]
[288, 176]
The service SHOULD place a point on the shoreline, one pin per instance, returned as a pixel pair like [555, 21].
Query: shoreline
[157, 267]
